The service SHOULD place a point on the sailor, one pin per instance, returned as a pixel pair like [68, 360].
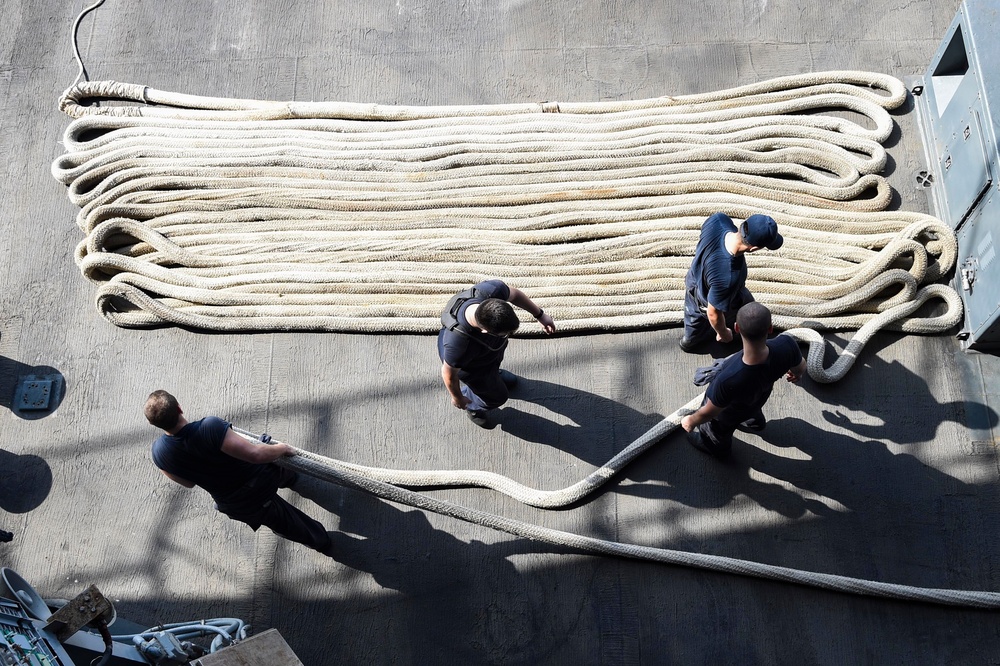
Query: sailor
[715, 285]
[240, 476]
[742, 383]
[475, 326]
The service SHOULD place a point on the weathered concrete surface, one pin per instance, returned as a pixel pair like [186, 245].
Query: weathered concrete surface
[890, 474]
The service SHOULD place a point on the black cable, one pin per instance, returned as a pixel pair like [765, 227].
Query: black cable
[102, 627]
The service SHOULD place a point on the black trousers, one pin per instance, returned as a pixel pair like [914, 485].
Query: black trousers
[717, 434]
[259, 504]
[483, 387]
[696, 325]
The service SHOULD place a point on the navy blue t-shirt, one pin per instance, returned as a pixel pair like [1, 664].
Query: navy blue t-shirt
[716, 276]
[195, 454]
[742, 387]
[471, 349]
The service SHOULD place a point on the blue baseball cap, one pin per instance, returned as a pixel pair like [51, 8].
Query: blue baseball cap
[761, 231]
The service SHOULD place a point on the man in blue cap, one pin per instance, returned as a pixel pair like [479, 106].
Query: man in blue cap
[715, 286]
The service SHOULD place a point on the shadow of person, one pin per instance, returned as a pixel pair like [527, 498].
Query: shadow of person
[448, 587]
[845, 502]
[896, 402]
[597, 427]
[844, 468]
[809, 472]
[400, 548]
[844, 475]
[25, 481]
[30, 392]
[692, 478]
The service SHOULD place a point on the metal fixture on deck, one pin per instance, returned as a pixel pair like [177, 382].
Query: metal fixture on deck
[958, 109]
[56, 632]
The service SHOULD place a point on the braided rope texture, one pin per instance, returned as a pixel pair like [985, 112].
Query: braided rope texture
[371, 480]
[385, 483]
[242, 215]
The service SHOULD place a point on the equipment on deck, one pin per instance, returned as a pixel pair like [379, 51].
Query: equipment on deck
[77, 632]
[958, 108]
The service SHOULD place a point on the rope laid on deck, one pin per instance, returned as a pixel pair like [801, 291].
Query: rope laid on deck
[243, 215]
[328, 469]
[544, 499]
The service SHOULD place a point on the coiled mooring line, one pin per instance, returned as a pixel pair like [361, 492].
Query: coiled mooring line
[244, 215]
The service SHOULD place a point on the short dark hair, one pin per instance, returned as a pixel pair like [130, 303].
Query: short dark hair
[497, 316]
[754, 321]
[162, 410]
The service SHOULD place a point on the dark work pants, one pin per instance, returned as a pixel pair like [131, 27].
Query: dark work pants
[483, 387]
[697, 328]
[717, 434]
[260, 505]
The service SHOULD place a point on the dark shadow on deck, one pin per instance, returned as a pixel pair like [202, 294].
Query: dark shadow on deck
[14, 375]
[25, 481]
[598, 424]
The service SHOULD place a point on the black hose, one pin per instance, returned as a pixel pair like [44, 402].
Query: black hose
[109, 644]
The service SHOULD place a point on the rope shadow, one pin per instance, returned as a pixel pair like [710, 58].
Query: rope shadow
[914, 419]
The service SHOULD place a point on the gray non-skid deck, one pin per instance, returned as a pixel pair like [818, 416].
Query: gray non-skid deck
[890, 474]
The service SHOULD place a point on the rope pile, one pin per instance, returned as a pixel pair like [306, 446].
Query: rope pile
[242, 215]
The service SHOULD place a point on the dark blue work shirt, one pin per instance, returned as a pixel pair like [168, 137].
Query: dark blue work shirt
[716, 277]
[471, 349]
[744, 388]
[195, 454]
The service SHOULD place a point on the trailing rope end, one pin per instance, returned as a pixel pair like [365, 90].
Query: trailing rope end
[78, 100]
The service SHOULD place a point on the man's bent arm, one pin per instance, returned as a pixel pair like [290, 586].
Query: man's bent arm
[521, 300]
[796, 373]
[242, 449]
[450, 377]
[705, 413]
[717, 318]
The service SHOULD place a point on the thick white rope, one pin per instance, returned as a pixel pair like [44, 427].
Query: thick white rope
[385, 483]
[335, 471]
[545, 499]
[244, 215]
